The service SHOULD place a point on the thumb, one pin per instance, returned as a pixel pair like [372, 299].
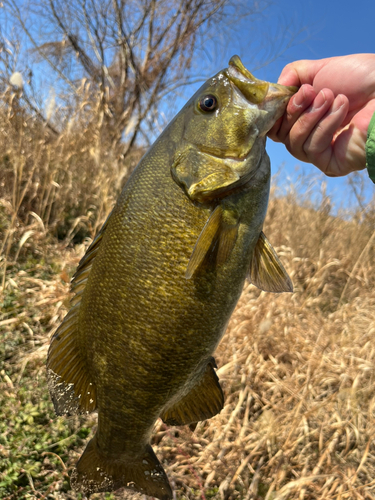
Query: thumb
[299, 72]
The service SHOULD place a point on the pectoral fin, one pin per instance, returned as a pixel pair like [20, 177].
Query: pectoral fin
[205, 242]
[220, 231]
[266, 271]
[227, 240]
[205, 400]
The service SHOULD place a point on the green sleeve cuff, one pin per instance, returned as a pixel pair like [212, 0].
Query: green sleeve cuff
[370, 149]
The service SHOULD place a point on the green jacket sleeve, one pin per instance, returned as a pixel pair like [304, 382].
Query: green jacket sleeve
[370, 149]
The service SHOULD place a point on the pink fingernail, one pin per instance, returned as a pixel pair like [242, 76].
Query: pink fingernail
[299, 98]
[337, 103]
[319, 101]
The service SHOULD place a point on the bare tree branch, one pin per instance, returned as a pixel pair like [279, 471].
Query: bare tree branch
[85, 60]
[17, 14]
[132, 53]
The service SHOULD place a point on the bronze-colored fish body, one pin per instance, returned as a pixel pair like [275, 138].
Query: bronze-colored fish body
[156, 288]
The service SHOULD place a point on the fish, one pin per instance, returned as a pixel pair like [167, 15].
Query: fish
[155, 290]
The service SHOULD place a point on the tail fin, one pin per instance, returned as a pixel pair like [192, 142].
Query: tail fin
[95, 473]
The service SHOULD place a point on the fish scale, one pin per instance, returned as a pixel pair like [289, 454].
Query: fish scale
[157, 286]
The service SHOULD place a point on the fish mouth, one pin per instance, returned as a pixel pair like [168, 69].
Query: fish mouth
[271, 97]
[277, 92]
[254, 90]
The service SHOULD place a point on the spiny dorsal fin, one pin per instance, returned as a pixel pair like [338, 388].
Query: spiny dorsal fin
[221, 228]
[84, 266]
[266, 271]
[72, 390]
[204, 400]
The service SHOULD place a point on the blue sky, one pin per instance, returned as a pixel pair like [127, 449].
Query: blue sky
[318, 29]
[329, 28]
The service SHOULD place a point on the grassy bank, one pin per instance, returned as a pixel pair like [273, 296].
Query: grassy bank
[298, 370]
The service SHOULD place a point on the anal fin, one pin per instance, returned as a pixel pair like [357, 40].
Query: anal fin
[266, 271]
[204, 400]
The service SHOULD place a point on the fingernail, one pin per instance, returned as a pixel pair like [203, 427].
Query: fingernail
[337, 103]
[299, 98]
[319, 101]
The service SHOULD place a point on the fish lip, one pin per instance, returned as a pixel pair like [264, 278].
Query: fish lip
[278, 92]
[254, 90]
[236, 68]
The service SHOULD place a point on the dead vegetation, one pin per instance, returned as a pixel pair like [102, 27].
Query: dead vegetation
[298, 374]
[298, 371]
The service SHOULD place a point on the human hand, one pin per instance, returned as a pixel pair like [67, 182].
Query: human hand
[326, 121]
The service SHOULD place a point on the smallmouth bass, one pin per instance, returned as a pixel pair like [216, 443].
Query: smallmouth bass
[156, 288]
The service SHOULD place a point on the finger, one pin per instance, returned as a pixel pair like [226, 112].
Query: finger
[306, 123]
[349, 145]
[273, 132]
[296, 106]
[318, 146]
[300, 72]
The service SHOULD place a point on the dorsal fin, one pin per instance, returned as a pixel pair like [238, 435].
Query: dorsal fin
[72, 390]
[266, 271]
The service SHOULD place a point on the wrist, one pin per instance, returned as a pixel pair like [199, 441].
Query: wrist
[370, 149]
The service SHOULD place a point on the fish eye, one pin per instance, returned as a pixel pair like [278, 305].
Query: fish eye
[208, 103]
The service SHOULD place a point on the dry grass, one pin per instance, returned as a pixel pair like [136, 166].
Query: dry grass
[298, 370]
[62, 185]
